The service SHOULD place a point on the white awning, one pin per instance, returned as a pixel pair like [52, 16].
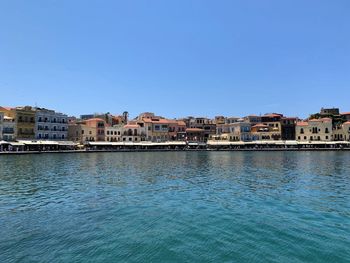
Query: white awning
[66, 143]
[17, 144]
[38, 142]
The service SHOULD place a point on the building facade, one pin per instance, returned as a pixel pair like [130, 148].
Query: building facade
[342, 132]
[50, 125]
[114, 133]
[1, 124]
[9, 129]
[314, 130]
[25, 121]
[81, 133]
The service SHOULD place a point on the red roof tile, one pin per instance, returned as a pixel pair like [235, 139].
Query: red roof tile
[302, 123]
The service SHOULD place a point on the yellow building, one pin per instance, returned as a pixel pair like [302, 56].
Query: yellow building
[25, 121]
[314, 130]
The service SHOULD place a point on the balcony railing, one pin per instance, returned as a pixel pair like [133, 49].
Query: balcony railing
[9, 131]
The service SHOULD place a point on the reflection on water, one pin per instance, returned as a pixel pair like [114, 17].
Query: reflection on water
[175, 207]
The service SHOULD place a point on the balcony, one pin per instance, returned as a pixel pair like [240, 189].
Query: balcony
[8, 131]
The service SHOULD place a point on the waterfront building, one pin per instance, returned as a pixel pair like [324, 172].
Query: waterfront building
[288, 128]
[228, 126]
[99, 128]
[314, 130]
[114, 133]
[87, 130]
[270, 128]
[133, 132]
[332, 113]
[8, 129]
[177, 130]
[342, 132]
[81, 133]
[222, 128]
[207, 125]
[195, 135]
[50, 125]
[1, 123]
[25, 121]
[241, 131]
[265, 132]
[238, 131]
[157, 129]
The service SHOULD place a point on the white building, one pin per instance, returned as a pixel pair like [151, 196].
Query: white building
[8, 129]
[131, 132]
[114, 133]
[1, 123]
[50, 125]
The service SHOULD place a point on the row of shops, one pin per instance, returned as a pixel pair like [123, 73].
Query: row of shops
[45, 145]
[37, 145]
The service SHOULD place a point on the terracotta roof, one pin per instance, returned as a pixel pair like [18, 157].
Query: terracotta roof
[7, 108]
[321, 120]
[161, 121]
[302, 123]
[272, 115]
[194, 130]
[345, 113]
[348, 122]
[132, 126]
[94, 119]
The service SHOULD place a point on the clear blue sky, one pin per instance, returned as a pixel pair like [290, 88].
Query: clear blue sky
[176, 58]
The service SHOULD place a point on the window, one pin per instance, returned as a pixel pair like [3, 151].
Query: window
[298, 137]
[326, 137]
[326, 130]
[302, 131]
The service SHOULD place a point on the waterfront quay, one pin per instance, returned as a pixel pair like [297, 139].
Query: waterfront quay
[34, 129]
[36, 147]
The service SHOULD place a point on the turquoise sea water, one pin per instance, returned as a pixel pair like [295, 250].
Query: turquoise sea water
[175, 207]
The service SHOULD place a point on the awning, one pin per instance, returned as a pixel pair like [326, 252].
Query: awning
[4, 142]
[66, 143]
[39, 142]
[17, 144]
